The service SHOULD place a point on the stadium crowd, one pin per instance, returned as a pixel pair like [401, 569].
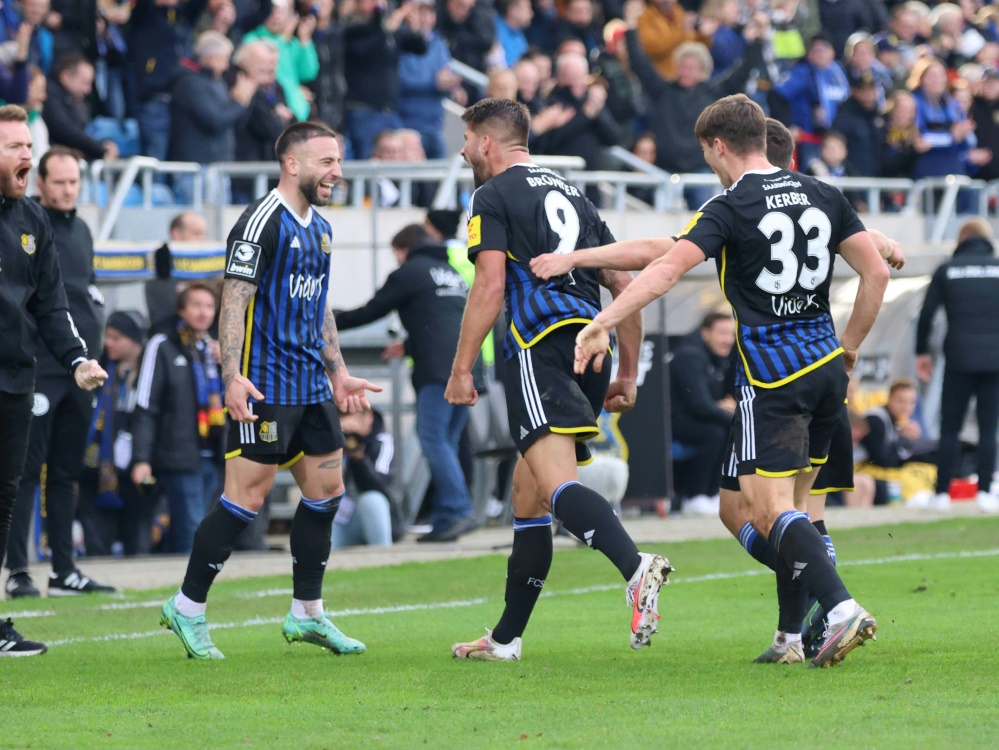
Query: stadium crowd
[869, 87]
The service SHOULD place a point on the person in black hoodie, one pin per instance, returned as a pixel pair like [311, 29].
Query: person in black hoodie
[430, 297]
[967, 287]
[61, 411]
[701, 410]
[985, 113]
[66, 113]
[861, 124]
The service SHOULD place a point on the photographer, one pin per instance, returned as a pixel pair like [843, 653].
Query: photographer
[366, 513]
[291, 28]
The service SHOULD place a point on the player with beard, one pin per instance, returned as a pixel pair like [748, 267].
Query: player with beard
[280, 354]
[520, 210]
[32, 306]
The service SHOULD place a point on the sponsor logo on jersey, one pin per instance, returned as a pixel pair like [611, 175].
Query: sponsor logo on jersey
[305, 287]
[268, 432]
[474, 231]
[28, 243]
[691, 224]
[243, 259]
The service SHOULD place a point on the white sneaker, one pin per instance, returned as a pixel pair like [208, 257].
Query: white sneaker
[939, 502]
[920, 499]
[642, 595]
[988, 502]
[486, 649]
[700, 505]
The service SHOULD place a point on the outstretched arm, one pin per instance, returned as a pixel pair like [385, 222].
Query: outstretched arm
[627, 255]
[859, 251]
[348, 391]
[236, 296]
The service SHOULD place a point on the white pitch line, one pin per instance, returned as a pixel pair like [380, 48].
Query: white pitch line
[29, 613]
[473, 602]
[131, 605]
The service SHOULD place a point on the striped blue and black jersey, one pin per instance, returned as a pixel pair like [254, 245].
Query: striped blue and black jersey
[774, 236]
[527, 211]
[288, 258]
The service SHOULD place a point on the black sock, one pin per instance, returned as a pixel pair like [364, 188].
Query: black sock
[213, 542]
[820, 526]
[526, 571]
[310, 546]
[590, 518]
[758, 546]
[800, 545]
[792, 600]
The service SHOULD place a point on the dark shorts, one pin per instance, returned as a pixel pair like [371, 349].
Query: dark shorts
[544, 396]
[283, 434]
[786, 430]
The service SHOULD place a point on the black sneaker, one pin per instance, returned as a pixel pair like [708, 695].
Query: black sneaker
[13, 643]
[20, 586]
[813, 630]
[75, 584]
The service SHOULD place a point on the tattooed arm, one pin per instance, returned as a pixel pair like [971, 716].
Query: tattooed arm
[348, 392]
[236, 296]
[332, 357]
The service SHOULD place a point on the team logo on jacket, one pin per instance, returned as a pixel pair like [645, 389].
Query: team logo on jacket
[28, 243]
[268, 431]
[326, 244]
[40, 405]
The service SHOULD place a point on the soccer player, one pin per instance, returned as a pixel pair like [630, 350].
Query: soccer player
[280, 356]
[835, 474]
[770, 233]
[518, 211]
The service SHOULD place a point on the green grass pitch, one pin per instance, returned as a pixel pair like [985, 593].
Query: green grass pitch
[112, 678]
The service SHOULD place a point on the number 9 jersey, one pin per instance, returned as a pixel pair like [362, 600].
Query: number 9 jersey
[527, 211]
[773, 235]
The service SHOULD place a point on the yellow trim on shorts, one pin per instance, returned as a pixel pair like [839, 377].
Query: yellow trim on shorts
[827, 490]
[292, 462]
[587, 462]
[574, 431]
[779, 474]
[525, 345]
[233, 454]
[818, 461]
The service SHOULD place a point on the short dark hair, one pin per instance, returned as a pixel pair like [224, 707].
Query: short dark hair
[506, 117]
[55, 152]
[410, 236]
[901, 384]
[709, 320]
[736, 120]
[195, 286]
[300, 132]
[780, 144]
[68, 62]
[13, 113]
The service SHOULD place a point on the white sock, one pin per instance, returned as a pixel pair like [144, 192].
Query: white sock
[783, 640]
[188, 607]
[841, 611]
[306, 610]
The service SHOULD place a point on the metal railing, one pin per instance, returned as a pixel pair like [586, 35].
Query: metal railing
[127, 171]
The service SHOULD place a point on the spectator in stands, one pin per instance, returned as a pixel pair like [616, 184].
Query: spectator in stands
[576, 23]
[62, 412]
[425, 80]
[701, 410]
[901, 37]
[903, 142]
[373, 42]
[985, 115]
[967, 287]
[840, 18]
[178, 424]
[14, 67]
[112, 508]
[159, 37]
[623, 92]
[539, 33]
[793, 22]
[663, 27]
[892, 433]
[110, 48]
[502, 84]
[74, 27]
[161, 292]
[429, 296]
[543, 63]
[512, 18]
[675, 105]
[34, 13]
[814, 89]
[831, 160]
[470, 33]
[644, 147]
[234, 18]
[298, 63]
[860, 122]
[727, 43]
[528, 81]
[861, 60]
[891, 60]
[66, 113]
[330, 86]
[591, 129]
[205, 112]
[365, 513]
[37, 94]
[953, 41]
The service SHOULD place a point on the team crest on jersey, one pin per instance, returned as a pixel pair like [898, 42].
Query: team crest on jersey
[268, 431]
[327, 244]
[243, 259]
[474, 231]
[28, 243]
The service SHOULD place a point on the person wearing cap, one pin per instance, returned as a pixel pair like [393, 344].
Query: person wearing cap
[61, 411]
[113, 508]
[985, 114]
[860, 121]
[429, 295]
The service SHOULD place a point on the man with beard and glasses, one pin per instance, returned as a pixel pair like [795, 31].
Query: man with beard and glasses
[518, 211]
[33, 306]
[280, 355]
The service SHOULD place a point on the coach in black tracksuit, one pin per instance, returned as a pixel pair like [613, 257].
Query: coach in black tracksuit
[61, 411]
[967, 286]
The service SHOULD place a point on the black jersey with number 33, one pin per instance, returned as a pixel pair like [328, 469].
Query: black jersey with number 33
[527, 211]
[774, 236]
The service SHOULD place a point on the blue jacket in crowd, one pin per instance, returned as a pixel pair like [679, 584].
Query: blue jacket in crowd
[946, 156]
[419, 98]
[513, 41]
[807, 87]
